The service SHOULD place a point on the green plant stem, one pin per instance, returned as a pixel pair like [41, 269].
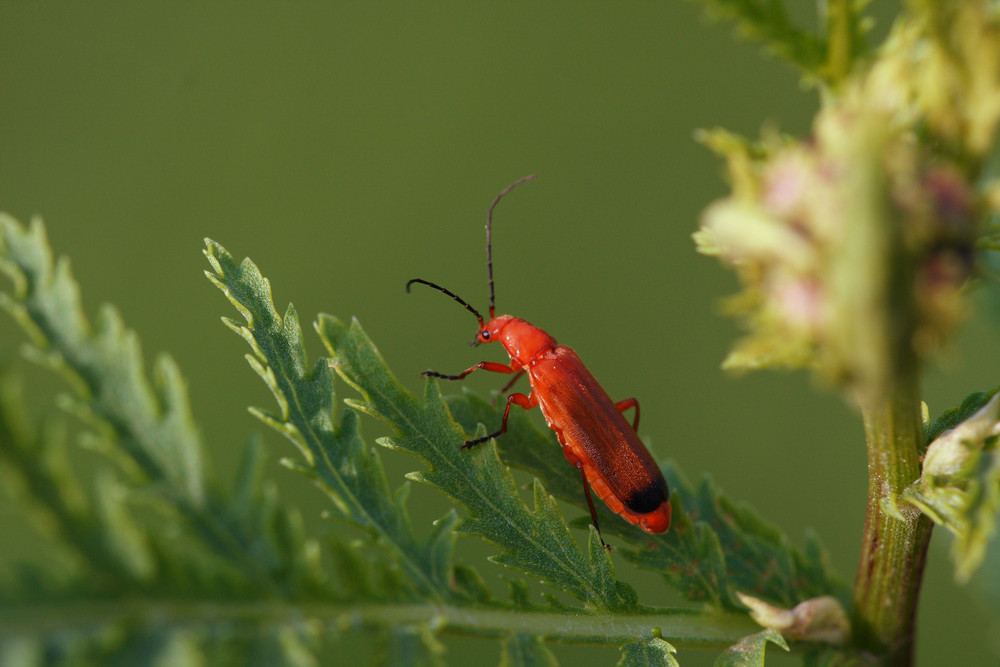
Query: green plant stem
[891, 566]
[684, 628]
[840, 17]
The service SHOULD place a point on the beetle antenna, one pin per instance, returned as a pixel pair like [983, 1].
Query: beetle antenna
[489, 237]
[449, 293]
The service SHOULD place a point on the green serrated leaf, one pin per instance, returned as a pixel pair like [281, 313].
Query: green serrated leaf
[743, 553]
[768, 22]
[522, 650]
[441, 543]
[249, 476]
[654, 652]
[714, 547]
[123, 537]
[241, 569]
[153, 423]
[538, 452]
[535, 542]
[749, 651]
[36, 471]
[472, 584]
[347, 469]
[519, 593]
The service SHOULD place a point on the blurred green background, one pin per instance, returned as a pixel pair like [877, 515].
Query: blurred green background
[348, 147]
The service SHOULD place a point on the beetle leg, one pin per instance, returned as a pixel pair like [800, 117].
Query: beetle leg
[579, 465]
[526, 402]
[627, 403]
[590, 504]
[514, 379]
[491, 366]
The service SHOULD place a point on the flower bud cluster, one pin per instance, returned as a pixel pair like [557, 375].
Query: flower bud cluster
[853, 245]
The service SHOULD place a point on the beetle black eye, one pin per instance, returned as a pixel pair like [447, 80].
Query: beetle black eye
[485, 334]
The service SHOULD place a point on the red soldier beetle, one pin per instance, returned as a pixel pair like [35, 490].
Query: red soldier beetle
[591, 427]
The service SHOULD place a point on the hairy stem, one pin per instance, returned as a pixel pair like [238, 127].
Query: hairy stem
[894, 549]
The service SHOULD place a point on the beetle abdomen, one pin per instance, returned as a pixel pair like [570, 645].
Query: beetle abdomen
[597, 438]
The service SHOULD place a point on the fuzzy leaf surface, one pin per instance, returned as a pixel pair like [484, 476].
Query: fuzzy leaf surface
[537, 542]
[749, 651]
[347, 469]
[654, 652]
[714, 546]
[230, 577]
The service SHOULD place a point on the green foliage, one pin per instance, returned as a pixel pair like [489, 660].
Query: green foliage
[536, 542]
[952, 417]
[147, 560]
[714, 548]
[828, 56]
[336, 459]
[152, 422]
[855, 246]
[750, 650]
[523, 650]
[648, 653]
[959, 486]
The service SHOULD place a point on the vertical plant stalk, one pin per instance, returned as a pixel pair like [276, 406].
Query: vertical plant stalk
[876, 326]
[890, 570]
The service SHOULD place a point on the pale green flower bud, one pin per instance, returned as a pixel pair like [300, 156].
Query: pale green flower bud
[950, 452]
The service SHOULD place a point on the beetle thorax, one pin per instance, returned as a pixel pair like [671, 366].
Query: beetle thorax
[522, 341]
